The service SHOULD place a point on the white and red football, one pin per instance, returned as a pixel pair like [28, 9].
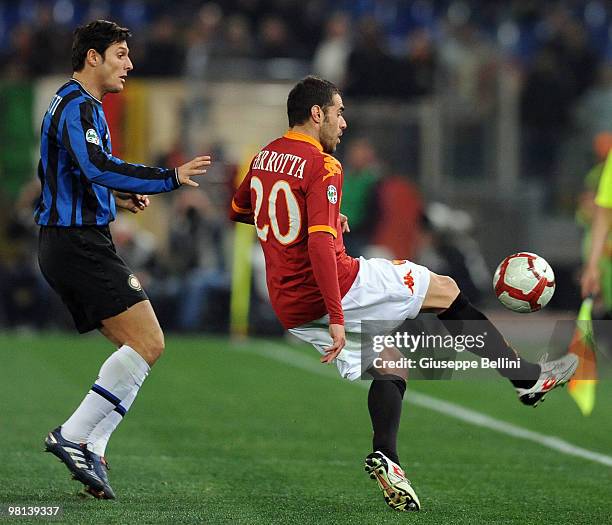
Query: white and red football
[524, 282]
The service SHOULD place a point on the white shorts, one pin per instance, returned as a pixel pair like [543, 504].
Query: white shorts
[390, 291]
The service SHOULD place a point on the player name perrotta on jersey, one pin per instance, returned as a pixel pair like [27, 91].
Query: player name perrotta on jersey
[282, 163]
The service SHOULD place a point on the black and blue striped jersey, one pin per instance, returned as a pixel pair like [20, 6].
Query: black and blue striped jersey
[77, 170]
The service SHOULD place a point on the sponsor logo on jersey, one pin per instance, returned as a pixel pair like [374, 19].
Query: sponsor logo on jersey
[92, 136]
[332, 194]
[409, 281]
[332, 166]
[134, 283]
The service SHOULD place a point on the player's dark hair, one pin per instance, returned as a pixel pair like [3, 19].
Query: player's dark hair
[98, 35]
[308, 92]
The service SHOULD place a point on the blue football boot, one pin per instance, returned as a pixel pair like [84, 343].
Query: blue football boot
[101, 468]
[77, 458]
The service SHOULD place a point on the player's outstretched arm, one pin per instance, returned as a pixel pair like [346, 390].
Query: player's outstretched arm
[81, 139]
[136, 202]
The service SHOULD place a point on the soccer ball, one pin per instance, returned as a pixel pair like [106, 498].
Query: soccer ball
[524, 282]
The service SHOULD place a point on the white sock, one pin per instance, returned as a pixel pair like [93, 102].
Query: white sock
[98, 439]
[123, 372]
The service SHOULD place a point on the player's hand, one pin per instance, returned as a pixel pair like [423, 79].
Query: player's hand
[344, 223]
[192, 168]
[590, 281]
[133, 202]
[338, 341]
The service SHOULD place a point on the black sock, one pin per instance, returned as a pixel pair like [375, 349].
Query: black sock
[385, 406]
[495, 347]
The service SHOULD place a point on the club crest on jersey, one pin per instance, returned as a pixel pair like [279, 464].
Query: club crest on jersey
[134, 283]
[332, 194]
[92, 136]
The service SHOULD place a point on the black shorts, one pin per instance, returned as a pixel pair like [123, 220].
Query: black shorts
[82, 266]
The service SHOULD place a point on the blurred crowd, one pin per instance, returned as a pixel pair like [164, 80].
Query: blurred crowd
[369, 47]
[560, 49]
[561, 52]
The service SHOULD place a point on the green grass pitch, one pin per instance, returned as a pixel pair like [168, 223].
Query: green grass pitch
[226, 433]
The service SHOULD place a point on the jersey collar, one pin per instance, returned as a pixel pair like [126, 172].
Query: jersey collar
[83, 88]
[294, 135]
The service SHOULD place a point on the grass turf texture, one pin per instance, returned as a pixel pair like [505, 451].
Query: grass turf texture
[222, 434]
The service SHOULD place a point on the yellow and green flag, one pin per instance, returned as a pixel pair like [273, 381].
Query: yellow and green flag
[582, 386]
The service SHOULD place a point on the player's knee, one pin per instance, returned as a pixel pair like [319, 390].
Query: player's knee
[152, 347]
[394, 373]
[450, 290]
[158, 345]
[442, 291]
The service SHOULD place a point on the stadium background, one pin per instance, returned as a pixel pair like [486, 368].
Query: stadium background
[472, 128]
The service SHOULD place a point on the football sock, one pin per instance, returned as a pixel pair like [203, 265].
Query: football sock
[120, 376]
[496, 346]
[385, 406]
[98, 439]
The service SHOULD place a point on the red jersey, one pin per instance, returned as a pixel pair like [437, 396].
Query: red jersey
[293, 189]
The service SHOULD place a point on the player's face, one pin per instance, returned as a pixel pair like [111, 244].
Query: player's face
[333, 125]
[117, 64]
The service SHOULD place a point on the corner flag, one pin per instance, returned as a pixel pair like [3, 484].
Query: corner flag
[582, 386]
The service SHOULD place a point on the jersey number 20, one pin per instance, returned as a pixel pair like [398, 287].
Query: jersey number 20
[293, 209]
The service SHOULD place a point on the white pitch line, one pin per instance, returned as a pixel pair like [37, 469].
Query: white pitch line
[284, 354]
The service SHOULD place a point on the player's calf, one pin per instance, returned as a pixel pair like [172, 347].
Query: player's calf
[385, 407]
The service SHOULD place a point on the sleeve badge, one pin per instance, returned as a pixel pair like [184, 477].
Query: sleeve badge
[92, 136]
[332, 194]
